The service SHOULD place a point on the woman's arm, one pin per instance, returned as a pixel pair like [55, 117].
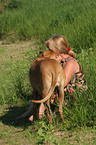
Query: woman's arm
[70, 69]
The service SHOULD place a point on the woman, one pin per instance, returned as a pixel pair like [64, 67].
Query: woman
[74, 75]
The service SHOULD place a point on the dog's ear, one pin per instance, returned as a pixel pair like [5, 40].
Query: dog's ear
[41, 53]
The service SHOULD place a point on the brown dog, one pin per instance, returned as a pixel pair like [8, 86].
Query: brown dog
[45, 74]
[34, 109]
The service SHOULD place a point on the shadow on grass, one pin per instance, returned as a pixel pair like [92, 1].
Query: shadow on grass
[11, 113]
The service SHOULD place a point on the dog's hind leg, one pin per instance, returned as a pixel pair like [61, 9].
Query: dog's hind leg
[61, 100]
[48, 110]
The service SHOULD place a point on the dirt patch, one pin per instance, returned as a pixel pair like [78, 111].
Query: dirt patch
[80, 137]
[17, 51]
[15, 48]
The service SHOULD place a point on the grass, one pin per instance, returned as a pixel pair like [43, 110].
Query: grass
[15, 92]
[24, 132]
[42, 19]
[35, 22]
[14, 72]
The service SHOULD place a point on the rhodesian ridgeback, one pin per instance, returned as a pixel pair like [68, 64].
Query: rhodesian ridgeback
[45, 75]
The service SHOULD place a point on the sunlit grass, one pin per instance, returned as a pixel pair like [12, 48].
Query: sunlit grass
[42, 19]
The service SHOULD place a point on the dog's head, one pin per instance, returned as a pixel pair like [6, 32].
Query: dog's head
[47, 54]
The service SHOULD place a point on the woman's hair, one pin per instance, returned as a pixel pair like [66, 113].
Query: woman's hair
[60, 43]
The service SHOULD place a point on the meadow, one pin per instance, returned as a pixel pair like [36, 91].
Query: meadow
[25, 25]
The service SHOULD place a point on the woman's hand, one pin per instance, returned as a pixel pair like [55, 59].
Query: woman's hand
[59, 58]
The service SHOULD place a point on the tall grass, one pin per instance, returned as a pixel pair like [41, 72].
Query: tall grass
[41, 19]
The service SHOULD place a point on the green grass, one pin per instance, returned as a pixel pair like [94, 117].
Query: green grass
[24, 132]
[42, 19]
[15, 92]
[14, 66]
[38, 21]
[39, 132]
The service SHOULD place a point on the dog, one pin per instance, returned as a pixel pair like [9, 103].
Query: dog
[44, 75]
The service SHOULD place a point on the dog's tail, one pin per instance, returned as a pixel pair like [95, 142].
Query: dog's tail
[52, 88]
